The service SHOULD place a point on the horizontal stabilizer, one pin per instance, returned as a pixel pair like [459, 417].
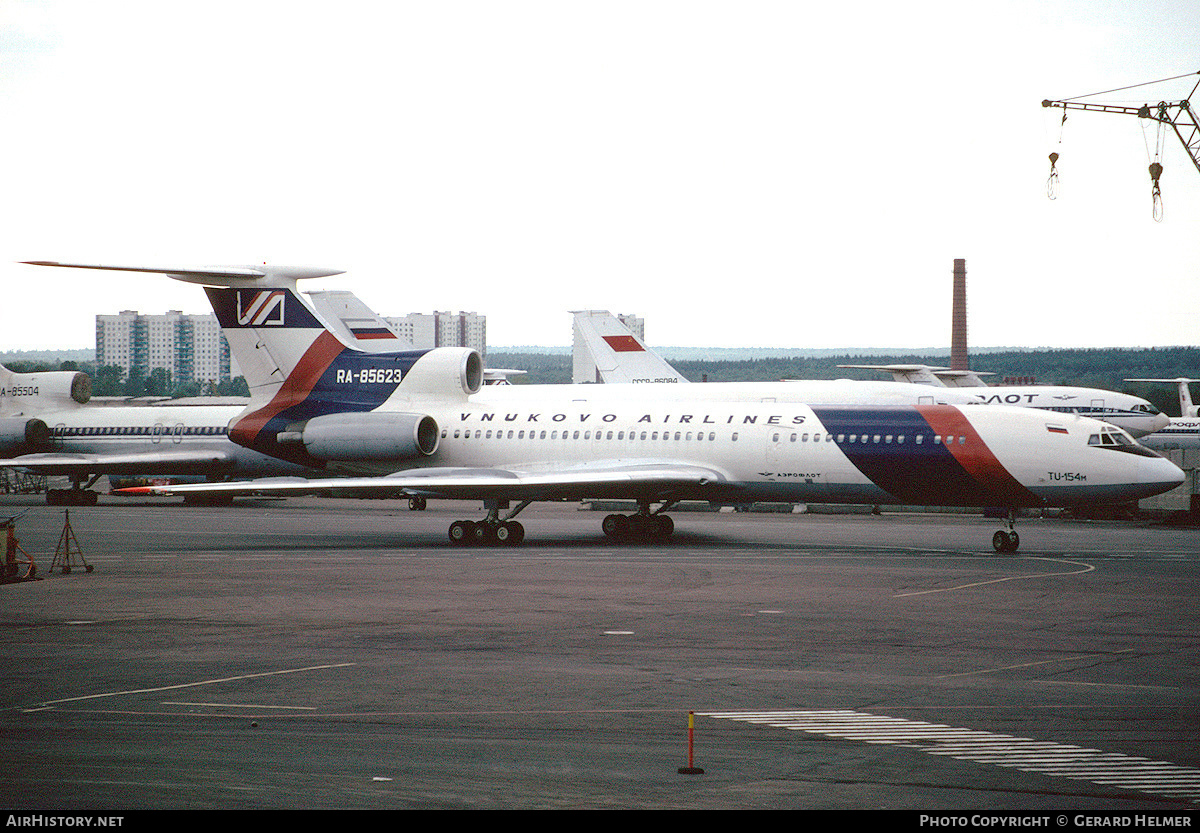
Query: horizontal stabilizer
[230, 276]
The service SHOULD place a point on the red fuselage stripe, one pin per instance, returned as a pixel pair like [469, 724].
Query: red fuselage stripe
[295, 389]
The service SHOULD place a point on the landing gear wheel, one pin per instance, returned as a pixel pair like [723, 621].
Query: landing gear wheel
[462, 533]
[1004, 541]
[664, 526]
[615, 526]
[508, 533]
[416, 504]
[638, 527]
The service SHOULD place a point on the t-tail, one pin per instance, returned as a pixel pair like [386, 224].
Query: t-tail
[305, 380]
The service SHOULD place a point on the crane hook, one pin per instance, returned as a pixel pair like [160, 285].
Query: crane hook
[1052, 182]
[1156, 170]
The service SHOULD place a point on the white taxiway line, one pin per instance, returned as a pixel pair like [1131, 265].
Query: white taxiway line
[49, 703]
[1044, 757]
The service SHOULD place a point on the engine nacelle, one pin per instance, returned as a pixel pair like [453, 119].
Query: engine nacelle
[23, 434]
[369, 436]
[444, 371]
[21, 391]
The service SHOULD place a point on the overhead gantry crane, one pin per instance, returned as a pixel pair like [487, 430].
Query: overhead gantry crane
[1179, 115]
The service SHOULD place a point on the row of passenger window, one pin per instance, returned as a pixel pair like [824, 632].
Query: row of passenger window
[513, 434]
[689, 436]
[139, 431]
[899, 439]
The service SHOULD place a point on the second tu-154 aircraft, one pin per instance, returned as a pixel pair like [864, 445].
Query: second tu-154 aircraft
[438, 432]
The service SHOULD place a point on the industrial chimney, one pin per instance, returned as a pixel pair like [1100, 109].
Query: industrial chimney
[958, 317]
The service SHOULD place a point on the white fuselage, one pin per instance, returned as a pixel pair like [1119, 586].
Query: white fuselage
[1182, 432]
[770, 449]
[1129, 413]
[154, 435]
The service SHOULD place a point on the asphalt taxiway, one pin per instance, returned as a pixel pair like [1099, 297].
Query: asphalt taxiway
[333, 654]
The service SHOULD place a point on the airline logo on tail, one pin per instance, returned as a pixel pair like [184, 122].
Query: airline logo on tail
[259, 308]
[244, 309]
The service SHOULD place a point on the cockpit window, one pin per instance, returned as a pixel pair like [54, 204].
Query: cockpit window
[1117, 440]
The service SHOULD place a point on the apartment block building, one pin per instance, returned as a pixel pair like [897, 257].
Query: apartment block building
[443, 329]
[191, 347]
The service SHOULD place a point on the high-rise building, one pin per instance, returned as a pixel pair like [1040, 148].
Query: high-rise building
[190, 347]
[443, 329]
[193, 348]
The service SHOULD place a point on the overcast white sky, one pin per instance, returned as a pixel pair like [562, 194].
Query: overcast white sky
[742, 173]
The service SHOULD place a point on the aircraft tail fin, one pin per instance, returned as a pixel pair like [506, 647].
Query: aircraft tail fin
[608, 351]
[356, 322]
[296, 365]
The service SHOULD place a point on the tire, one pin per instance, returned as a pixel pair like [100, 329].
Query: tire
[664, 526]
[613, 525]
[509, 533]
[462, 533]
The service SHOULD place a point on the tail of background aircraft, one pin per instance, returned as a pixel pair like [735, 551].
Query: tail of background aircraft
[607, 351]
[1186, 408]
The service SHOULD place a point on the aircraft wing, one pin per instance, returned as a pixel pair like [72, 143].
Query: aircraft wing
[500, 375]
[962, 378]
[133, 462]
[613, 479]
[919, 374]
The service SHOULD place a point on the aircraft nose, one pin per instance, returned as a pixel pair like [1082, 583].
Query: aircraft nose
[1161, 421]
[1159, 475]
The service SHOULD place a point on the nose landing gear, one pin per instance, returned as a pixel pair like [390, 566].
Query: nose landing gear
[1007, 540]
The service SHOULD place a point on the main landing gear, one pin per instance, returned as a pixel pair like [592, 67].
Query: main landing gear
[80, 494]
[643, 525]
[496, 531]
[492, 531]
[1007, 540]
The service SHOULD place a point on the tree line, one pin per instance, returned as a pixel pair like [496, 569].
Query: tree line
[112, 380]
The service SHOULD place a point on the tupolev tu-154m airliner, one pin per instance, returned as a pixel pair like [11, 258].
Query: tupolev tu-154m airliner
[426, 426]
